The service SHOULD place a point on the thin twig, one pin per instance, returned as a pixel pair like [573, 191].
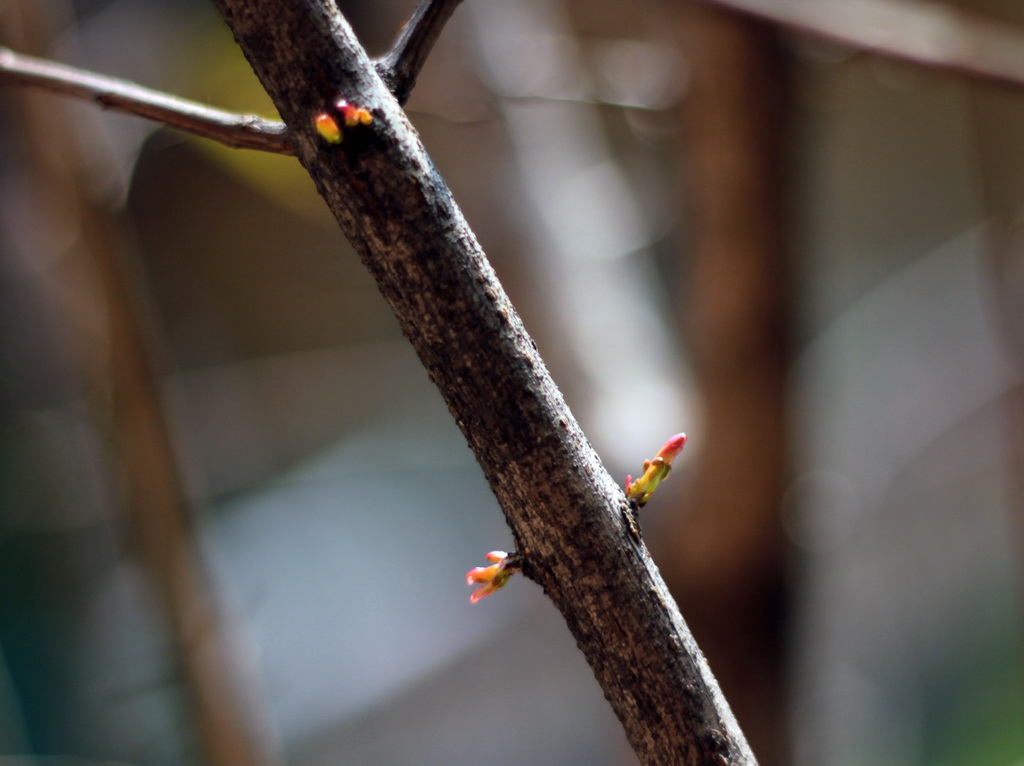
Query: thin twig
[402, 64]
[935, 35]
[239, 131]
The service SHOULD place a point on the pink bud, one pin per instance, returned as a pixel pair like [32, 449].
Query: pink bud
[494, 577]
[671, 448]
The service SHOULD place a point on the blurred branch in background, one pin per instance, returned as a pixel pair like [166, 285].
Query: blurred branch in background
[726, 559]
[159, 509]
[936, 35]
[100, 309]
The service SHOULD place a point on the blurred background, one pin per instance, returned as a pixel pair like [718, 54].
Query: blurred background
[235, 516]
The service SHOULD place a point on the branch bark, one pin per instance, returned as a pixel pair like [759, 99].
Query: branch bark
[240, 131]
[565, 511]
[402, 64]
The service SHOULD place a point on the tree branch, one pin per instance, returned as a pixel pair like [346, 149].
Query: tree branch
[402, 64]
[239, 131]
[565, 511]
[935, 35]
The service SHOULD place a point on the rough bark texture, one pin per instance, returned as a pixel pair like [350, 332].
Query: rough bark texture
[564, 509]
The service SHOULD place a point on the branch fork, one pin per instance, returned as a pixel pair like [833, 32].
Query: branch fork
[399, 68]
